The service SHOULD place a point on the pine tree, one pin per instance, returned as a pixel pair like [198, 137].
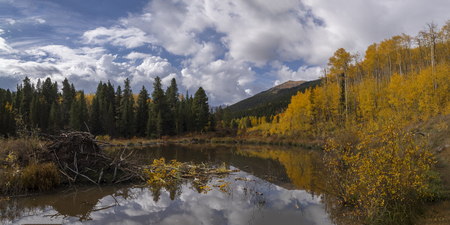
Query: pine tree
[159, 125]
[142, 112]
[74, 118]
[127, 106]
[201, 109]
[27, 97]
[83, 112]
[212, 120]
[68, 94]
[160, 107]
[95, 124]
[54, 121]
[227, 117]
[110, 124]
[181, 117]
[151, 131]
[172, 101]
[219, 117]
[35, 111]
[118, 113]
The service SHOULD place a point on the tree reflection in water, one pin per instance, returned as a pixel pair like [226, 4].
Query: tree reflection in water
[272, 195]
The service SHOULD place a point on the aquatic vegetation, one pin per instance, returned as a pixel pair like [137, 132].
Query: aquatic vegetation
[167, 175]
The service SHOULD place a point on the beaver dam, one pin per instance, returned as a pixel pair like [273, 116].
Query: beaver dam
[78, 158]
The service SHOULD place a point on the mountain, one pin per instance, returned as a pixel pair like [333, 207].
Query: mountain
[272, 101]
[286, 85]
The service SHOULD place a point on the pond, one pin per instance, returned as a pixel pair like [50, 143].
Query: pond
[275, 185]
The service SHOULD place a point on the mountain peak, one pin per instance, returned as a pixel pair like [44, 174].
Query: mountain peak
[286, 85]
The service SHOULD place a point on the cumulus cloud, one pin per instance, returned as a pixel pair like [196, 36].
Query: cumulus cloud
[223, 81]
[86, 66]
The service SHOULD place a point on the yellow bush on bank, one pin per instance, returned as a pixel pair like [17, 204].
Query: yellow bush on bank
[383, 177]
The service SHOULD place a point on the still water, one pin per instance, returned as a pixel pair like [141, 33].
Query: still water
[275, 185]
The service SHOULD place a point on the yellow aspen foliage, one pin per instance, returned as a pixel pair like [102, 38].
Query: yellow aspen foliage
[385, 173]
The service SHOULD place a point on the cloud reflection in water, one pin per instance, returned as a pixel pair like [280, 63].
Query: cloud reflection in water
[242, 205]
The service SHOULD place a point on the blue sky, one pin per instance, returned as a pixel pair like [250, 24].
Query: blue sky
[233, 49]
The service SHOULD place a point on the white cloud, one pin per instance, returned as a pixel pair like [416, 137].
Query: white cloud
[204, 55]
[130, 37]
[137, 55]
[354, 25]
[303, 73]
[4, 47]
[11, 21]
[39, 20]
[223, 81]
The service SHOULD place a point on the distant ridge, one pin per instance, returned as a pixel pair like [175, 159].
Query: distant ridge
[286, 85]
[272, 101]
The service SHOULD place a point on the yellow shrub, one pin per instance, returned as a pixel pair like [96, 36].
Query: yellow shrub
[42, 176]
[384, 176]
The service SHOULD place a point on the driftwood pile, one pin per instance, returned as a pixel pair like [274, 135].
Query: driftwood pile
[77, 156]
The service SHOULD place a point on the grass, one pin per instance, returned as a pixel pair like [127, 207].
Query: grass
[21, 171]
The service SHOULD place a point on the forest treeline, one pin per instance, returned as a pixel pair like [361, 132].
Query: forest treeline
[404, 79]
[109, 111]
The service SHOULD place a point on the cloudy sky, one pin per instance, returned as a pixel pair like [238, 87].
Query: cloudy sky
[233, 49]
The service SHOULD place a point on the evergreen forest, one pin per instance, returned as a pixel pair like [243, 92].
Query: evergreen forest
[116, 112]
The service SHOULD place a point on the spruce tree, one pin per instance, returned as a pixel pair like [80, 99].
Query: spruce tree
[118, 113]
[54, 121]
[95, 125]
[68, 94]
[151, 127]
[27, 97]
[160, 107]
[227, 117]
[127, 106]
[83, 112]
[74, 118]
[201, 109]
[219, 117]
[110, 124]
[142, 112]
[212, 120]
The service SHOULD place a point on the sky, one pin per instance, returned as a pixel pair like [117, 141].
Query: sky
[233, 49]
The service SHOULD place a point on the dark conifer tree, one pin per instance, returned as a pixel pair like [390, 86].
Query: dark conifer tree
[201, 109]
[95, 124]
[68, 94]
[54, 121]
[118, 112]
[142, 112]
[127, 105]
[227, 117]
[83, 114]
[212, 120]
[110, 126]
[219, 117]
[160, 108]
[74, 118]
[151, 126]
[27, 97]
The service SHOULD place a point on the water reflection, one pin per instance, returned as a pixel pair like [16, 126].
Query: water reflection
[271, 197]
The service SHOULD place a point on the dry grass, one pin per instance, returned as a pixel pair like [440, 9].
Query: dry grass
[20, 170]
